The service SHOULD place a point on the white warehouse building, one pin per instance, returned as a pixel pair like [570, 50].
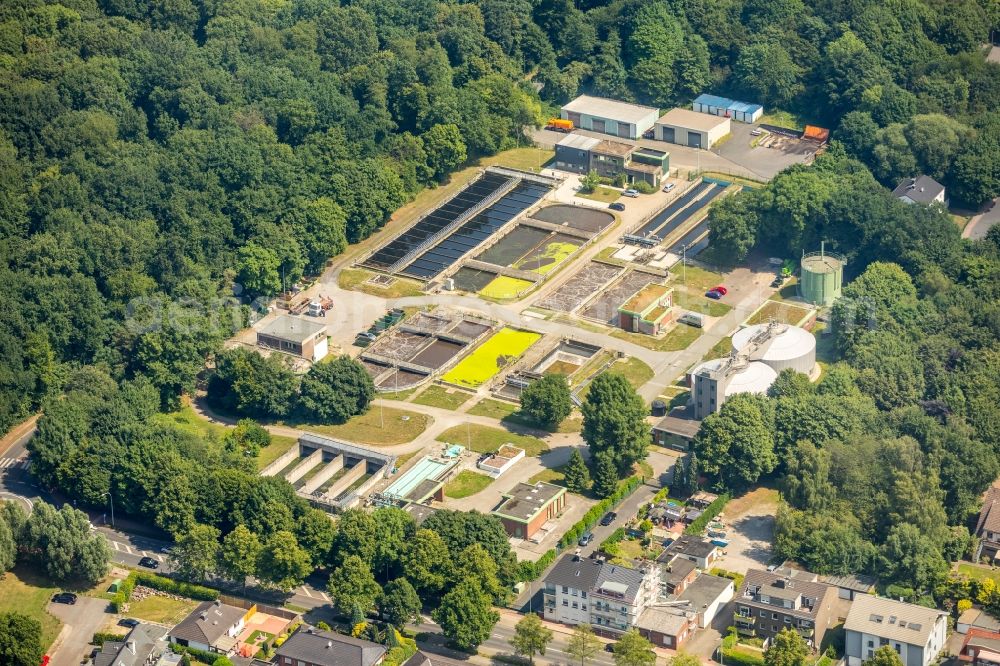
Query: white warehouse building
[692, 129]
[609, 116]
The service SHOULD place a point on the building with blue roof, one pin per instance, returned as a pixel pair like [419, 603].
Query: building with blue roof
[743, 112]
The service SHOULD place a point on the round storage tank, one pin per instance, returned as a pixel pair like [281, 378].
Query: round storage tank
[756, 377]
[789, 347]
[822, 277]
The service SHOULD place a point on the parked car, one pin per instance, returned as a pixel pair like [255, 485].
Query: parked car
[756, 131]
[64, 598]
[692, 319]
[631, 193]
[129, 622]
[617, 206]
[777, 281]
[585, 539]
[713, 294]
[608, 518]
[149, 563]
[166, 550]
[648, 134]
[609, 647]
[722, 290]
[669, 187]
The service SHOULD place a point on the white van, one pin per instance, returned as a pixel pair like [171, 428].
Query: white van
[692, 319]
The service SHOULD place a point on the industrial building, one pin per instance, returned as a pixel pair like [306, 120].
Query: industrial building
[527, 507]
[727, 108]
[648, 310]
[692, 129]
[759, 353]
[293, 335]
[822, 277]
[609, 116]
[583, 154]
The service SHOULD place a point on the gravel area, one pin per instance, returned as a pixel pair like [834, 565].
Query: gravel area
[580, 287]
[605, 306]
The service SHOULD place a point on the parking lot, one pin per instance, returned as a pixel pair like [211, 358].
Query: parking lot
[749, 522]
[771, 154]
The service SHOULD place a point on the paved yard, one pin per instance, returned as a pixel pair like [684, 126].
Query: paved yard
[749, 524]
[81, 620]
[770, 155]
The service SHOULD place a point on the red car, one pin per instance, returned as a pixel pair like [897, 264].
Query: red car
[722, 290]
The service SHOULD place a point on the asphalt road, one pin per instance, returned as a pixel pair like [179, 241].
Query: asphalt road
[81, 620]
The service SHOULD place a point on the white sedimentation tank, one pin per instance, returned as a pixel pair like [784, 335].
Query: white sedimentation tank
[756, 377]
[789, 347]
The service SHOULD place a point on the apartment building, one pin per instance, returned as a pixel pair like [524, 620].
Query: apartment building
[769, 601]
[916, 633]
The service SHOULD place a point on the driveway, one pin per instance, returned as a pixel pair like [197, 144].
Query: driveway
[80, 621]
[978, 226]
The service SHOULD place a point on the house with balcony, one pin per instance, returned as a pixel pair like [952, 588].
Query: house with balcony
[988, 526]
[916, 633]
[769, 601]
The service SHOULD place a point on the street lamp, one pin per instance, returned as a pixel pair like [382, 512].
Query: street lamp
[112, 501]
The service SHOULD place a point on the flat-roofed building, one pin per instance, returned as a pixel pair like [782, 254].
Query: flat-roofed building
[648, 310]
[573, 153]
[692, 129]
[611, 159]
[296, 336]
[527, 507]
[609, 116]
[729, 108]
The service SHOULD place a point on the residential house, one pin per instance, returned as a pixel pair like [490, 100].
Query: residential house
[677, 574]
[920, 190]
[916, 633]
[213, 627]
[975, 618]
[667, 626]
[981, 647]
[313, 647]
[769, 601]
[706, 596]
[144, 645]
[988, 526]
[701, 551]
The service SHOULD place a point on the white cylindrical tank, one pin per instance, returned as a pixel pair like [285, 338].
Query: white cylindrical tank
[792, 347]
[756, 377]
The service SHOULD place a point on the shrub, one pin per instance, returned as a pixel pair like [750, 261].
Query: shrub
[644, 187]
[124, 593]
[203, 656]
[528, 571]
[735, 657]
[731, 575]
[617, 536]
[699, 524]
[964, 605]
[101, 636]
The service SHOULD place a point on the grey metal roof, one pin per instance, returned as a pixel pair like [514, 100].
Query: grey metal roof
[579, 574]
[293, 329]
[219, 618]
[612, 109]
[578, 141]
[704, 590]
[922, 189]
[894, 620]
[620, 580]
[855, 582]
[328, 648]
[691, 119]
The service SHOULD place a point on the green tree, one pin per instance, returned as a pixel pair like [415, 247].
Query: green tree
[334, 391]
[547, 401]
[8, 547]
[400, 604]
[605, 474]
[475, 563]
[466, 615]
[247, 438]
[582, 644]
[239, 553]
[63, 541]
[427, 563]
[258, 270]
[353, 585]
[589, 182]
[614, 421]
[885, 656]
[787, 648]
[736, 443]
[196, 554]
[634, 650]
[445, 149]
[530, 637]
[282, 562]
[20, 640]
[767, 72]
[683, 658]
[576, 476]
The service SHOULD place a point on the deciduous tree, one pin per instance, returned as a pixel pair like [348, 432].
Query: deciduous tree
[547, 400]
[530, 637]
[582, 644]
[634, 650]
[466, 615]
[352, 585]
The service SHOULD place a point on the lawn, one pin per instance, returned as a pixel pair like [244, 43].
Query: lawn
[600, 193]
[398, 427]
[696, 278]
[278, 446]
[680, 337]
[784, 119]
[494, 409]
[786, 313]
[553, 475]
[163, 610]
[505, 288]
[721, 348]
[466, 483]
[504, 347]
[527, 159]
[25, 592]
[696, 302]
[439, 396]
[484, 439]
[636, 372]
[356, 279]
[978, 572]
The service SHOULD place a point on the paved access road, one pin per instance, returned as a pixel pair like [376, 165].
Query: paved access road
[80, 621]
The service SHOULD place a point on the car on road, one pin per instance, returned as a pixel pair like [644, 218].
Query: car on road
[669, 187]
[129, 622]
[617, 206]
[585, 539]
[608, 518]
[64, 598]
[149, 563]
[722, 290]
[631, 193]
[166, 550]
[713, 294]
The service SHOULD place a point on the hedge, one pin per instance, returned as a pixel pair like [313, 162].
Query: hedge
[171, 586]
[101, 636]
[741, 658]
[699, 524]
[200, 655]
[731, 575]
[625, 488]
[529, 571]
[616, 537]
[124, 593]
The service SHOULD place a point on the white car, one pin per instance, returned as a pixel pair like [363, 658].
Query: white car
[631, 193]
[756, 132]
[669, 187]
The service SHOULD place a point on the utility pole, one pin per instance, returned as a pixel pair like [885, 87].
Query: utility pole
[112, 500]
